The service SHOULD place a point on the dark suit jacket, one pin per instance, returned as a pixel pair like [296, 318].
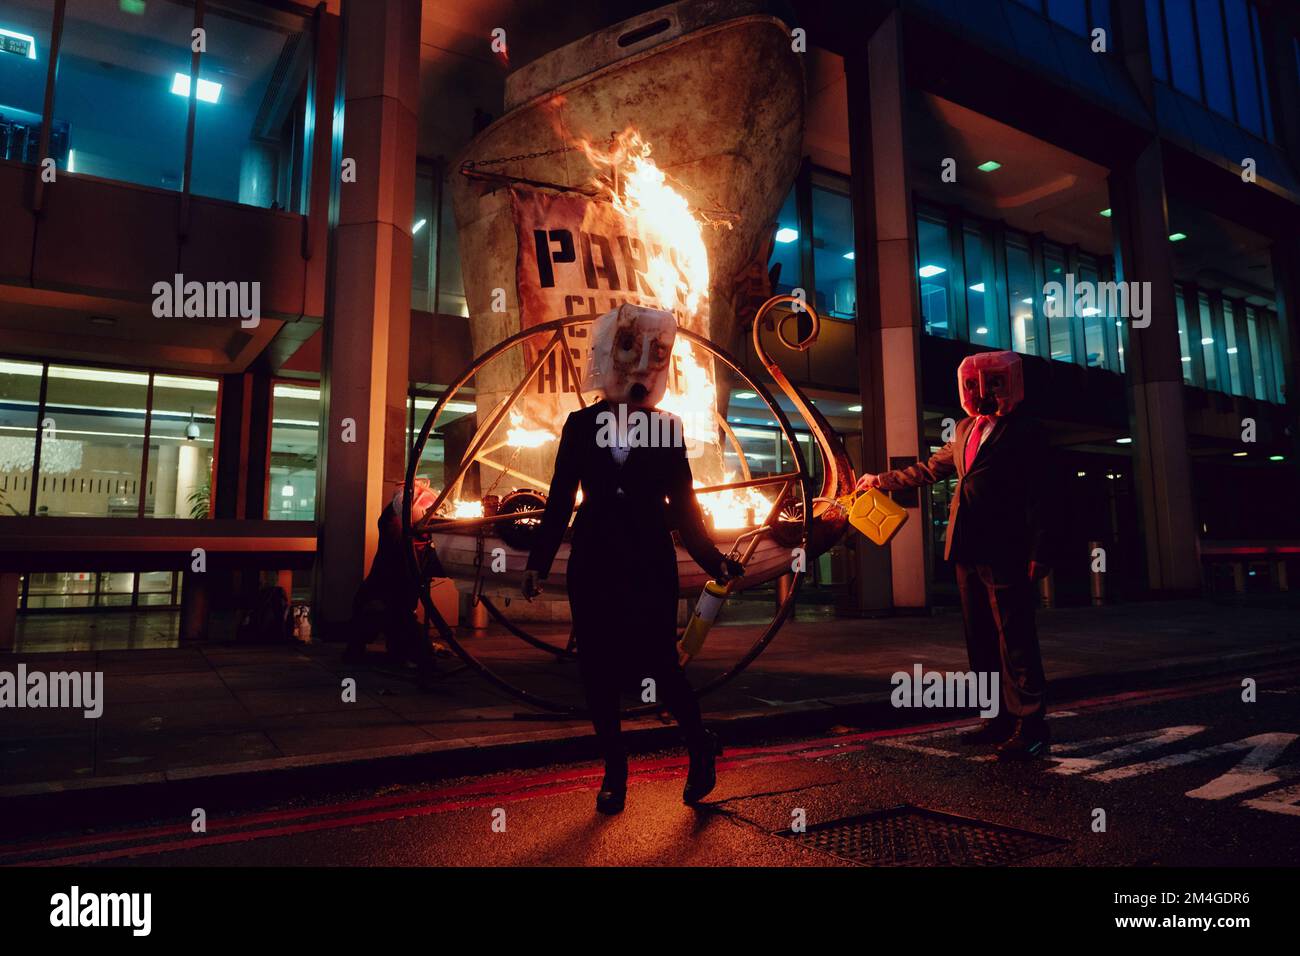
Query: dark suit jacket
[657, 497]
[997, 515]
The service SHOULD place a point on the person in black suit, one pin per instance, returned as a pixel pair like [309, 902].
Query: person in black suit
[998, 539]
[622, 568]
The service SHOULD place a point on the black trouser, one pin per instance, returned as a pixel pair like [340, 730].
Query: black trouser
[998, 612]
[601, 686]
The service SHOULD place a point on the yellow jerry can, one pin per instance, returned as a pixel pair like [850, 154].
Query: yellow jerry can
[876, 515]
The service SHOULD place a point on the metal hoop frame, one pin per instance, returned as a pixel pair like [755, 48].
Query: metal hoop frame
[556, 329]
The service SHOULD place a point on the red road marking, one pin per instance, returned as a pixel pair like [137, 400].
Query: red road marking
[495, 791]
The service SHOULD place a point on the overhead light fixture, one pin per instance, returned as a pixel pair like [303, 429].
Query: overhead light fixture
[1177, 236]
[1123, 441]
[849, 255]
[1091, 310]
[22, 44]
[1105, 212]
[1207, 341]
[208, 91]
[746, 396]
[1081, 474]
[133, 7]
[989, 166]
[926, 272]
[981, 331]
[1239, 454]
[786, 234]
[418, 226]
[1027, 301]
[287, 491]
[977, 287]
[72, 160]
[1276, 458]
[855, 408]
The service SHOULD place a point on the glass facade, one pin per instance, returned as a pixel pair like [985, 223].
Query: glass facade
[123, 91]
[91, 590]
[934, 273]
[20, 397]
[89, 451]
[182, 437]
[1211, 51]
[25, 45]
[436, 281]
[249, 120]
[833, 255]
[295, 427]
[1240, 343]
[1077, 16]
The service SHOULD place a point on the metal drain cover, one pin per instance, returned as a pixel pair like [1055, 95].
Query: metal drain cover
[914, 836]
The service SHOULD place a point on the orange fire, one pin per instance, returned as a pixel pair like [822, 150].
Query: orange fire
[678, 272]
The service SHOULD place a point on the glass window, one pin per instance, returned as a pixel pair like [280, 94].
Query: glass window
[62, 589]
[295, 425]
[1279, 363]
[182, 432]
[92, 442]
[118, 67]
[785, 249]
[1242, 52]
[1207, 341]
[24, 61]
[248, 124]
[1235, 364]
[20, 396]
[1181, 37]
[984, 327]
[423, 231]
[1022, 295]
[1184, 337]
[1258, 359]
[934, 274]
[157, 588]
[1214, 56]
[1260, 79]
[451, 284]
[1071, 14]
[1093, 317]
[1156, 40]
[833, 254]
[1058, 324]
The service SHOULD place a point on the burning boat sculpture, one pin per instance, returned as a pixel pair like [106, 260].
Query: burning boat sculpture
[643, 164]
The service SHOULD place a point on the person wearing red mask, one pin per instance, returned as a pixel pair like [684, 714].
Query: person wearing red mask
[997, 538]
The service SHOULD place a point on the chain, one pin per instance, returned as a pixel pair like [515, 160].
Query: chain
[474, 164]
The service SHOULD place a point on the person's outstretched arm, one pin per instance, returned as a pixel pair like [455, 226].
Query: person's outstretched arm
[939, 466]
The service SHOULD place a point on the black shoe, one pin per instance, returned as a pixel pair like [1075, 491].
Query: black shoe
[992, 731]
[1030, 741]
[613, 788]
[703, 774]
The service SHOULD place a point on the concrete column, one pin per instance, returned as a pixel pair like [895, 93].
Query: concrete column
[368, 308]
[1155, 378]
[890, 378]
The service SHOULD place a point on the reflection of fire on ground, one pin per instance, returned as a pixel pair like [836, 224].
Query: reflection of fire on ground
[677, 271]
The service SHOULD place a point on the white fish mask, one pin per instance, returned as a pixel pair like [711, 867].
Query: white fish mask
[631, 354]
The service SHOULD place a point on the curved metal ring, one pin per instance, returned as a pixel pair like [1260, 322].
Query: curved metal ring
[423, 571]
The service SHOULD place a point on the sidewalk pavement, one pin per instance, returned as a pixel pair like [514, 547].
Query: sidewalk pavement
[196, 713]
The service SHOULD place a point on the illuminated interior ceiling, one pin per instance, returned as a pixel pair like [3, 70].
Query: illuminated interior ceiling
[1036, 188]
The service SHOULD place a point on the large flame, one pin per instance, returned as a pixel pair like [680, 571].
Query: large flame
[678, 272]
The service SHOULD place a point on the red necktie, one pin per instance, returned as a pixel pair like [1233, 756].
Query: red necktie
[973, 442]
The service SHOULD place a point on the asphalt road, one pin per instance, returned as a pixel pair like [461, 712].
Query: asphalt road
[1190, 775]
